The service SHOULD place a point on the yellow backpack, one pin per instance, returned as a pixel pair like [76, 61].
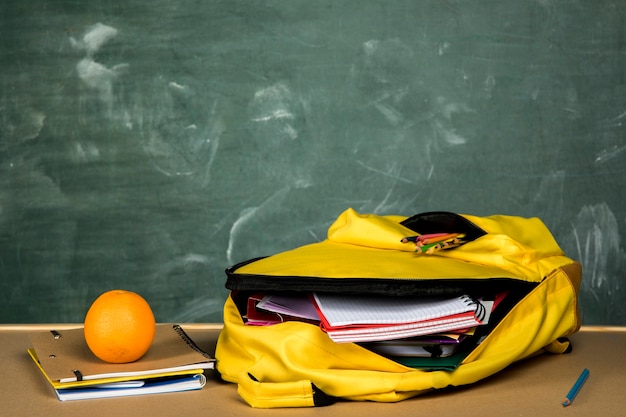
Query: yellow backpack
[297, 364]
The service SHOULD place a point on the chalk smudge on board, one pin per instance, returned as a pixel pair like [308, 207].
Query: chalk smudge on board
[609, 153]
[187, 145]
[596, 239]
[94, 75]
[244, 241]
[275, 105]
[20, 123]
[393, 172]
[239, 224]
[93, 39]
[443, 123]
[386, 73]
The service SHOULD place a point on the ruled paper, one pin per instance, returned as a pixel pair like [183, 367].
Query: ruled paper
[345, 310]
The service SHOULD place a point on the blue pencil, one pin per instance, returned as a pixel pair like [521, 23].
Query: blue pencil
[574, 391]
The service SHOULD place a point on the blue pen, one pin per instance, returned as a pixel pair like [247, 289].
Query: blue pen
[574, 391]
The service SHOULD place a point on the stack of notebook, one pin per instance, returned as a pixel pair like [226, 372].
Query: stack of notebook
[173, 363]
[349, 318]
[430, 333]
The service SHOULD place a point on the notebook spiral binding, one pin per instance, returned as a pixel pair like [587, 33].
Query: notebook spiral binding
[480, 311]
[178, 329]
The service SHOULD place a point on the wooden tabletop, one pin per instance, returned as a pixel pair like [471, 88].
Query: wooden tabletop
[534, 387]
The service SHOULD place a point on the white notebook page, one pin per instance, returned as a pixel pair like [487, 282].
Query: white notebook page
[344, 310]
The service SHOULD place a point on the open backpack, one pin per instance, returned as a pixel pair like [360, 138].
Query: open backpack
[512, 277]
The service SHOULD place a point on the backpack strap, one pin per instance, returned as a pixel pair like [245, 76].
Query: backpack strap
[301, 393]
[561, 345]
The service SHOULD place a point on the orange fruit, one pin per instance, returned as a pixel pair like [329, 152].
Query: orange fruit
[119, 326]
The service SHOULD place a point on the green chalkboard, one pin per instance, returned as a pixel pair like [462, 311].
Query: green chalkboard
[148, 145]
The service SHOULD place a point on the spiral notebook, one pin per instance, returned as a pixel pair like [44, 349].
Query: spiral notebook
[351, 318]
[66, 361]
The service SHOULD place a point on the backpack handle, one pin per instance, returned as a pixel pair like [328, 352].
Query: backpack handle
[301, 393]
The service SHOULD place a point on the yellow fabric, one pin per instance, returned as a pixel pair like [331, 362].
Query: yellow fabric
[382, 232]
[285, 359]
[275, 395]
[369, 246]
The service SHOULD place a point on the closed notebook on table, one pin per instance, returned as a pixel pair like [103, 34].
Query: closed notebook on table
[172, 363]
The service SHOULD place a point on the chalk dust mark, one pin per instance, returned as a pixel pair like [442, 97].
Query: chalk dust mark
[275, 115]
[383, 206]
[597, 239]
[595, 243]
[447, 134]
[244, 240]
[94, 38]
[273, 108]
[393, 116]
[386, 72]
[442, 124]
[609, 153]
[391, 173]
[239, 225]
[180, 140]
[314, 235]
[94, 75]
[489, 85]
[616, 121]
[20, 123]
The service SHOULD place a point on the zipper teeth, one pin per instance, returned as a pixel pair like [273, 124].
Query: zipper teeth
[383, 286]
